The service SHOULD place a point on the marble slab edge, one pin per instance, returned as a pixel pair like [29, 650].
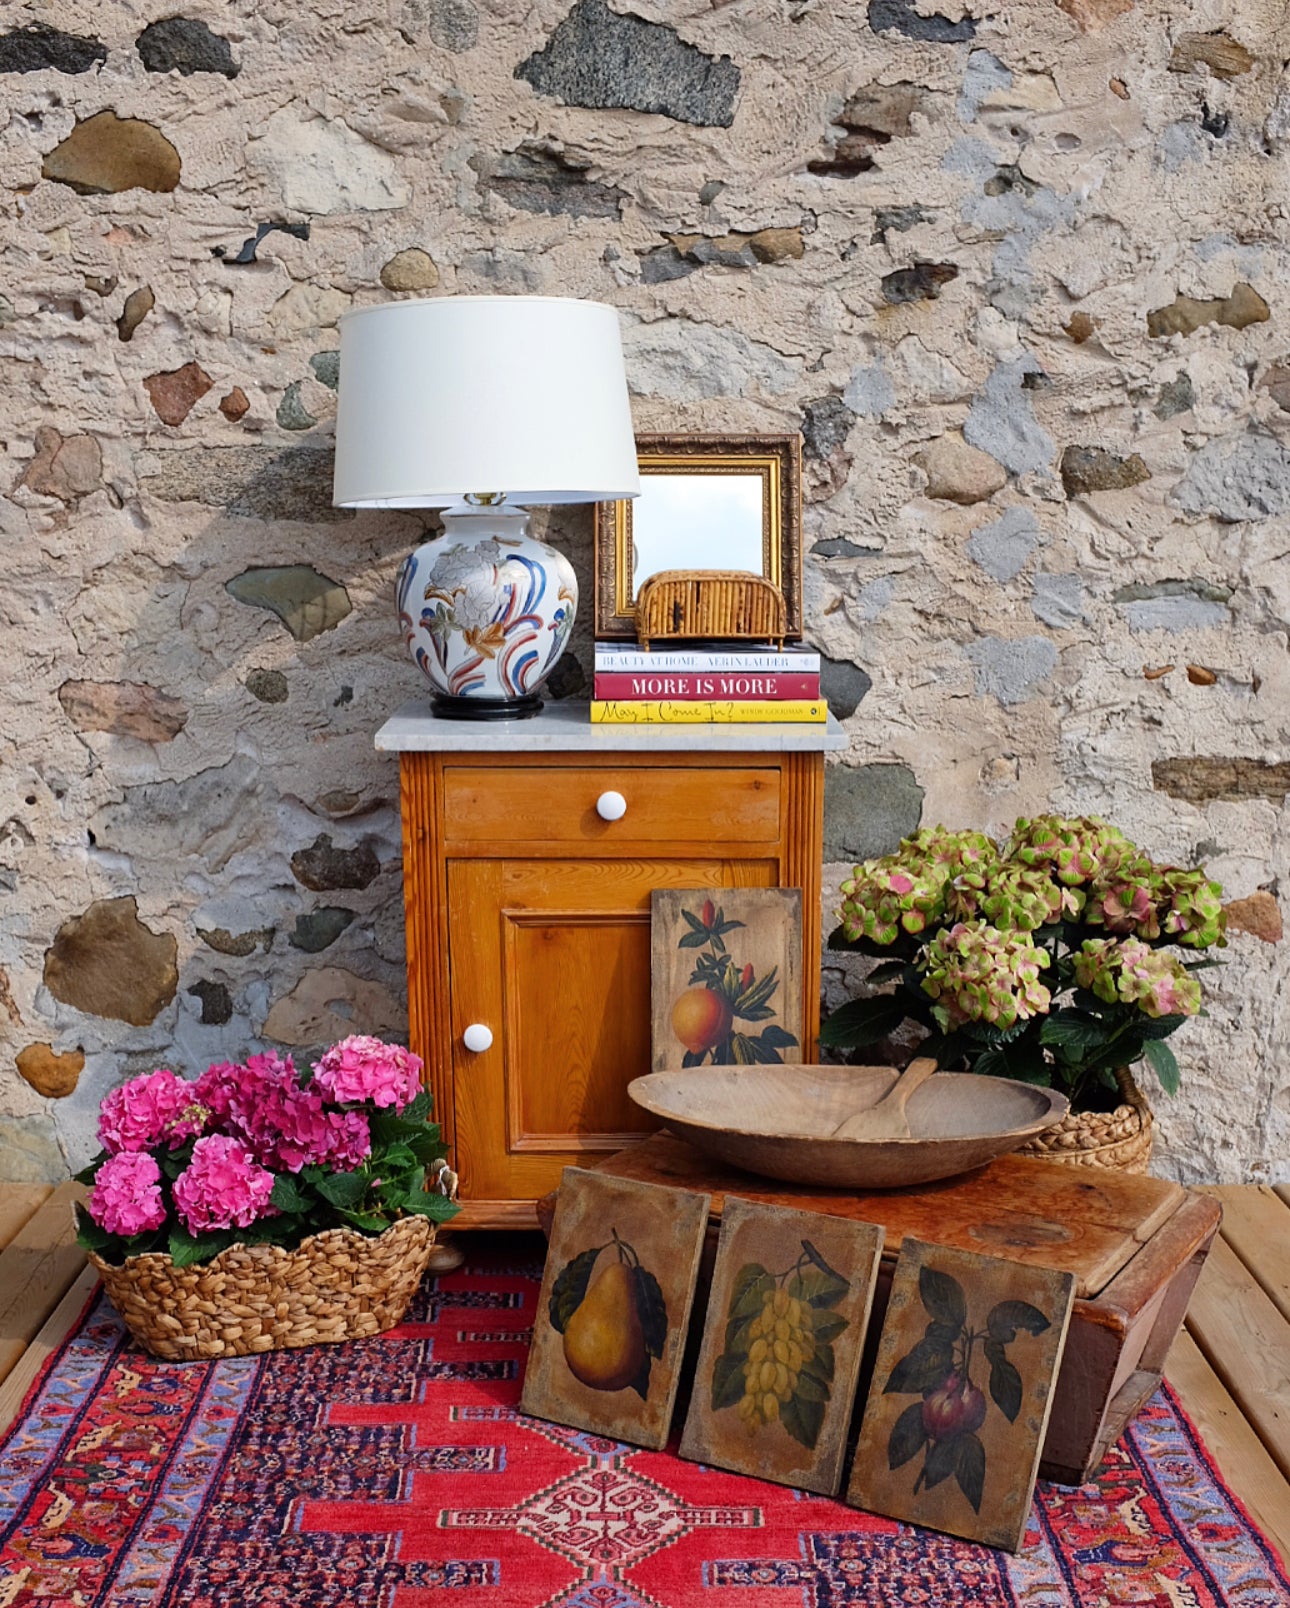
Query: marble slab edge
[566, 727]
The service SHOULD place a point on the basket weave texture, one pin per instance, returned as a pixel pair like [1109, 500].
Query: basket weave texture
[337, 1285]
[1120, 1139]
[709, 603]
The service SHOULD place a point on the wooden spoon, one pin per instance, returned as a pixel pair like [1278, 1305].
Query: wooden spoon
[887, 1119]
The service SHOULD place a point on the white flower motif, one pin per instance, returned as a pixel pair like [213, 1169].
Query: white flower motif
[456, 566]
[477, 603]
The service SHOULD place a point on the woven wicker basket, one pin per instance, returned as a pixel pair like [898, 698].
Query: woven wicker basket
[337, 1285]
[1120, 1139]
[721, 604]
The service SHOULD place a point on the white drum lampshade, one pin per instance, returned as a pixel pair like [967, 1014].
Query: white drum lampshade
[481, 406]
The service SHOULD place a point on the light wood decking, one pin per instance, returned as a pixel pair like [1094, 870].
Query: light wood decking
[1230, 1366]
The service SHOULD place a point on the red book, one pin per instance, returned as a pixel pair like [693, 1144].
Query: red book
[773, 686]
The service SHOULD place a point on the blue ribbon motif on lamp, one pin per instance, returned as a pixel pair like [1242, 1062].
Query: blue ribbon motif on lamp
[482, 406]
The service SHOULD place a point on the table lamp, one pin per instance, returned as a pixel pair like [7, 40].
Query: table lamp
[482, 406]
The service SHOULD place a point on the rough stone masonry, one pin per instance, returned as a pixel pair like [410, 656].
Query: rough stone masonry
[1019, 274]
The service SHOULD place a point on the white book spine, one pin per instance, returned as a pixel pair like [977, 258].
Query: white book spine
[630, 660]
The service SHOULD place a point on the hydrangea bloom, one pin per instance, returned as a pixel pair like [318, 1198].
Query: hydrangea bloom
[158, 1106]
[1076, 849]
[126, 1196]
[1021, 898]
[364, 1068]
[1194, 913]
[349, 1140]
[1132, 972]
[222, 1187]
[976, 973]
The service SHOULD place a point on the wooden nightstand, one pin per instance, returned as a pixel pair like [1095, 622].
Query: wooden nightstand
[527, 903]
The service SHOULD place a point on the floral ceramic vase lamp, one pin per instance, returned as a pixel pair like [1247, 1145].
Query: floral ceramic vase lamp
[483, 406]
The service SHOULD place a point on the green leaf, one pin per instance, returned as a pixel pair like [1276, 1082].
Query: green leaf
[828, 1326]
[821, 1364]
[779, 1037]
[1164, 1064]
[969, 1468]
[942, 1295]
[89, 1234]
[1157, 1027]
[862, 1021]
[287, 1196]
[693, 940]
[88, 1174]
[1005, 1387]
[818, 1290]
[748, 1293]
[942, 1460]
[696, 925]
[641, 1382]
[651, 1309]
[923, 1368]
[886, 971]
[816, 1256]
[1073, 1030]
[571, 1286]
[436, 1207]
[343, 1190]
[366, 1222]
[1009, 1316]
[803, 1418]
[907, 1437]
[812, 1385]
[186, 1249]
[728, 1379]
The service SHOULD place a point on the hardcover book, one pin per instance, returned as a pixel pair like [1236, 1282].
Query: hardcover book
[709, 711]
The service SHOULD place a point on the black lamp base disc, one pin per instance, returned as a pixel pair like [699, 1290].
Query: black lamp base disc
[449, 706]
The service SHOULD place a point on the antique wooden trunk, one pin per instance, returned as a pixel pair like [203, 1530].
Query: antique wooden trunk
[1136, 1246]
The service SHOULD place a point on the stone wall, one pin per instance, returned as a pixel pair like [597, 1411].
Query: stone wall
[1020, 278]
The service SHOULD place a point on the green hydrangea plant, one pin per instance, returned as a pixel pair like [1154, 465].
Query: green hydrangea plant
[1056, 958]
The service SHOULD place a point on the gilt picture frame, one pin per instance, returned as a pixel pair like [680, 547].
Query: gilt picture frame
[708, 502]
[614, 1309]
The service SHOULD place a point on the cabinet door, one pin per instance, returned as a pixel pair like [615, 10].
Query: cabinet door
[553, 957]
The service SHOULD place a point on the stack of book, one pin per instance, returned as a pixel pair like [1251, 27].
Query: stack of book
[696, 686]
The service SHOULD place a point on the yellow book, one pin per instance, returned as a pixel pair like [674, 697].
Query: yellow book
[706, 712]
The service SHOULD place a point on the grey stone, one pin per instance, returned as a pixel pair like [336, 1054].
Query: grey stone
[844, 685]
[508, 270]
[680, 360]
[1178, 396]
[212, 815]
[1001, 420]
[238, 944]
[1173, 606]
[538, 178]
[869, 391]
[269, 686]
[665, 263]
[1011, 669]
[568, 679]
[1140, 591]
[710, 191]
[868, 809]
[32, 1154]
[138, 304]
[900, 16]
[453, 24]
[1003, 548]
[599, 58]
[922, 282]
[1086, 469]
[326, 367]
[317, 930]
[217, 1002]
[1237, 477]
[105, 962]
[1058, 600]
[826, 424]
[306, 601]
[251, 482]
[873, 598]
[839, 547]
[899, 219]
[185, 45]
[984, 74]
[38, 48]
[292, 413]
[323, 867]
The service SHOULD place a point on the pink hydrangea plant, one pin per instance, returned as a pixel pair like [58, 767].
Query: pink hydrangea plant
[126, 1197]
[141, 1113]
[363, 1068]
[223, 1186]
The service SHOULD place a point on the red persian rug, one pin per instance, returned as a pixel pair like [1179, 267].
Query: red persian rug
[397, 1473]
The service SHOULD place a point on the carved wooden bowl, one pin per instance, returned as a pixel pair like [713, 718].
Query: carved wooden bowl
[779, 1120]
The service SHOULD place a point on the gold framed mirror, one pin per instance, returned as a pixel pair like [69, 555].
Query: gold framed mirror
[708, 502]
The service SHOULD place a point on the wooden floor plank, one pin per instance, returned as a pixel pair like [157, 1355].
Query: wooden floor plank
[52, 1334]
[1256, 1224]
[1247, 1343]
[1241, 1456]
[36, 1267]
[18, 1202]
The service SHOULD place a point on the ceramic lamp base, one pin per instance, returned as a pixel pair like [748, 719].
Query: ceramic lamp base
[447, 707]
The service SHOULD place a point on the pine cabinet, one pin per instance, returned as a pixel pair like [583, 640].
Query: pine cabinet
[529, 854]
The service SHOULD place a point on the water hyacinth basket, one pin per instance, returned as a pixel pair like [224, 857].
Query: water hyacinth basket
[1120, 1139]
[337, 1285]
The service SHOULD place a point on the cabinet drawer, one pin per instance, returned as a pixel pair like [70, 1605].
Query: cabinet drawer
[550, 804]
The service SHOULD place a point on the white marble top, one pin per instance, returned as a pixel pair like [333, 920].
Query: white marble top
[563, 727]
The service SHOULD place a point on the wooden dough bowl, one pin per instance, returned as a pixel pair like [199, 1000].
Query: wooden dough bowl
[779, 1120]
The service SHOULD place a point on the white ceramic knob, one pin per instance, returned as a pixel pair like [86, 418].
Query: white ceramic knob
[611, 806]
[478, 1038]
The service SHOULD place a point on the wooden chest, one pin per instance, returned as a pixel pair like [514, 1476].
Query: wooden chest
[1135, 1245]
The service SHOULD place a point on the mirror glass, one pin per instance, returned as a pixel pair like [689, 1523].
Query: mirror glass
[697, 522]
